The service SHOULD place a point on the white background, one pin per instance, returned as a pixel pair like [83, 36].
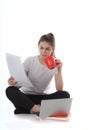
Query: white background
[22, 22]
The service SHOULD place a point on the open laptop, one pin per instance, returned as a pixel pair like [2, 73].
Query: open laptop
[55, 108]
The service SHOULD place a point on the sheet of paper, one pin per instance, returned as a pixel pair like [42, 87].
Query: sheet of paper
[16, 70]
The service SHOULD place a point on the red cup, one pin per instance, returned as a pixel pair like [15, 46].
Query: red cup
[50, 62]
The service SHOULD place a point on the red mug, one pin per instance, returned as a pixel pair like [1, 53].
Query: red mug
[50, 62]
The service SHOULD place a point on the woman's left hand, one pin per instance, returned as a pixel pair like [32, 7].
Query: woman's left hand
[58, 63]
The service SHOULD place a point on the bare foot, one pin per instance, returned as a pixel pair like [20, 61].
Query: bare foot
[35, 108]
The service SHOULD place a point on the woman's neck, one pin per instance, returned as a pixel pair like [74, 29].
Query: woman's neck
[41, 59]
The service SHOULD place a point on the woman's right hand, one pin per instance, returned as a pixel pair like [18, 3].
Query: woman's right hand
[11, 81]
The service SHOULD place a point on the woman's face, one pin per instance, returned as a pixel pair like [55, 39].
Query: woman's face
[45, 49]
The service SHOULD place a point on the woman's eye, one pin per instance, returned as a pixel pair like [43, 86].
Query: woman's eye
[47, 49]
[41, 47]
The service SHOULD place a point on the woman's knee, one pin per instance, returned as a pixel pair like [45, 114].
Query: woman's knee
[9, 90]
[64, 94]
[67, 94]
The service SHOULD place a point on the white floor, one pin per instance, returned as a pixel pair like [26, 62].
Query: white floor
[77, 121]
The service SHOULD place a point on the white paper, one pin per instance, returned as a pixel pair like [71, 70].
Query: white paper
[16, 70]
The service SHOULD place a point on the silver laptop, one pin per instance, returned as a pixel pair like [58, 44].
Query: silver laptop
[52, 106]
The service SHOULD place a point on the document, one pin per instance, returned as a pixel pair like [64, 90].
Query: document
[16, 70]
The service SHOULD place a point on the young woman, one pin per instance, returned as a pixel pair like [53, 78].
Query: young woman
[28, 99]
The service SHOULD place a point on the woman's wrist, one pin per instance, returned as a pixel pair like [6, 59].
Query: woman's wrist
[59, 69]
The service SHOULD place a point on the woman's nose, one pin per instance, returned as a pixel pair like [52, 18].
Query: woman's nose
[44, 51]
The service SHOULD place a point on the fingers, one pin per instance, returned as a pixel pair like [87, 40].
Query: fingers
[59, 63]
[11, 81]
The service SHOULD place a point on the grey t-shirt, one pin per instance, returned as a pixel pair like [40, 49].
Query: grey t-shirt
[38, 74]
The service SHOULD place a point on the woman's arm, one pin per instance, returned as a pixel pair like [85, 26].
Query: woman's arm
[58, 77]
